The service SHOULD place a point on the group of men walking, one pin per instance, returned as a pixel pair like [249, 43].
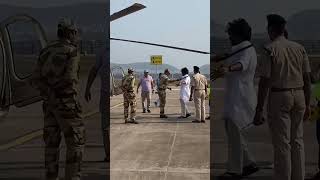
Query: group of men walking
[198, 93]
[284, 73]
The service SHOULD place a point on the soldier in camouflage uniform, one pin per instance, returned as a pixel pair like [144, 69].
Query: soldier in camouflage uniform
[129, 97]
[163, 85]
[57, 76]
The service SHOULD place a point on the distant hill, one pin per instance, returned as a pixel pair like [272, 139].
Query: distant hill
[90, 17]
[305, 25]
[205, 69]
[141, 66]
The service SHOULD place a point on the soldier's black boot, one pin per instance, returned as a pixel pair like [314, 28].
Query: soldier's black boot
[149, 111]
[163, 116]
[133, 121]
[144, 110]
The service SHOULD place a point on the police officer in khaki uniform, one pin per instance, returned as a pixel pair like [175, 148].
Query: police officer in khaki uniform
[285, 75]
[199, 88]
[57, 77]
[163, 86]
[129, 97]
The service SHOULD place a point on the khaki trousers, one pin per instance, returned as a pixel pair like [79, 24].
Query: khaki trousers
[199, 103]
[144, 96]
[285, 114]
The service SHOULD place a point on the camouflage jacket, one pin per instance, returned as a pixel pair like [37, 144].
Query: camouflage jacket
[57, 70]
[128, 83]
[164, 82]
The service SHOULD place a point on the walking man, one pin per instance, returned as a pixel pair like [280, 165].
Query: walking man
[199, 88]
[102, 68]
[184, 93]
[163, 85]
[129, 97]
[57, 77]
[285, 77]
[147, 87]
[240, 98]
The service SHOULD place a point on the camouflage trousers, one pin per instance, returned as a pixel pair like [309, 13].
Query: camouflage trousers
[129, 100]
[63, 117]
[162, 97]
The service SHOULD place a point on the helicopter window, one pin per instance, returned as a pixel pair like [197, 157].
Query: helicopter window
[25, 45]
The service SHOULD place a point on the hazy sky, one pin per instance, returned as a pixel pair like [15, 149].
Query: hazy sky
[183, 23]
[255, 10]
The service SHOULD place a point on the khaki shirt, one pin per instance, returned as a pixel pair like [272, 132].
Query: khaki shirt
[199, 82]
[284, 63]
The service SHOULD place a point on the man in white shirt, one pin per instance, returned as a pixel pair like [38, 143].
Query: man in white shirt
[240, 98]
[147, 85]
[184, 93]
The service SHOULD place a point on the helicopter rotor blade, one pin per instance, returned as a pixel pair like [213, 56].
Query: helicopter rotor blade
[129, 10]
[160, 45]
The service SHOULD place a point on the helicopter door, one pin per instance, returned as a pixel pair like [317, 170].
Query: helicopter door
[23, 40]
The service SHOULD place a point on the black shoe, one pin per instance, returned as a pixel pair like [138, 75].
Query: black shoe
[251, 169]
[208, 118]
[188, 115]
[203, 121]
[229, 176]
[149, 111]
[163, 116]
[196, 121]
[144, 111]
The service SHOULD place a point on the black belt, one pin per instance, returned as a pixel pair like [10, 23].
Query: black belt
[285, 89]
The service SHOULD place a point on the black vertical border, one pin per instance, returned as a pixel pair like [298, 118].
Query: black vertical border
[108, 81]
[211, 96]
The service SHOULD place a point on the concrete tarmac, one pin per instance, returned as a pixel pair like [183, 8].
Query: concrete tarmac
[159, 149]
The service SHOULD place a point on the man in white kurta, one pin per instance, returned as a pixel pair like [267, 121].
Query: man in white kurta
[240, 98]
[240, 104]
[184, 93]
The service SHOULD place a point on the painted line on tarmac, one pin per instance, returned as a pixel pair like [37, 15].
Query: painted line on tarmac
[38, 133]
